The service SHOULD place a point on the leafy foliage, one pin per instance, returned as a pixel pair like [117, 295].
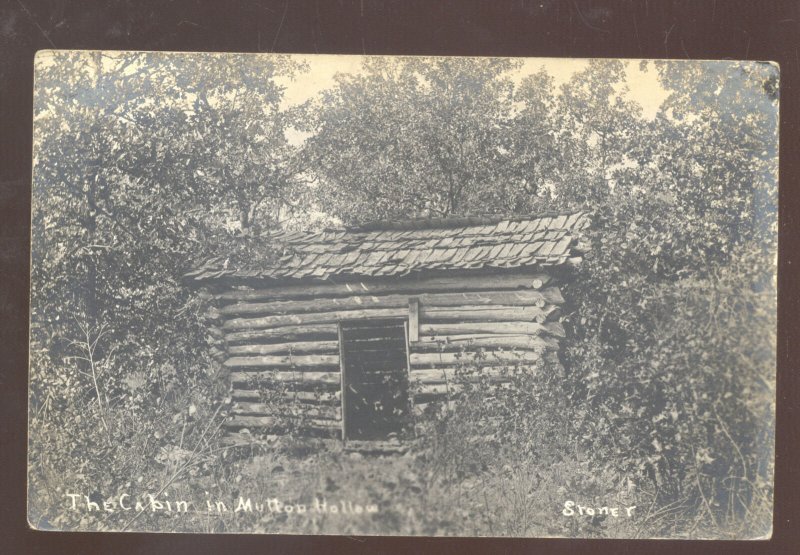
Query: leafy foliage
[131, 157]
[411, 136]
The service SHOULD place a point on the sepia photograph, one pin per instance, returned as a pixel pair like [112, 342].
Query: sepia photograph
[403, 295]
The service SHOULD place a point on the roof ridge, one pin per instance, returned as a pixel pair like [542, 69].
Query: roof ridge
[410, 224]
[455, 221]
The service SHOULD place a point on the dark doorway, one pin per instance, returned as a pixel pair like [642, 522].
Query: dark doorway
[374, 379]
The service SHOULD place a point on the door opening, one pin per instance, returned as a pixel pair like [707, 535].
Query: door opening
[374, 358]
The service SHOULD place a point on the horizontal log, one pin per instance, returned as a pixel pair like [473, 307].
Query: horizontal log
[315, 397]
[451, 343]
[488, 358]
[301, 361]
[430, 376]
[483, 313]
[411, 285]
[313, 318]
[237, 421]
[436, 331]
[246, 394]
[524, 297]
[320, 347]
[282, 334]
[314, 378]
[311, 397]
[494, 313]
[286, 409]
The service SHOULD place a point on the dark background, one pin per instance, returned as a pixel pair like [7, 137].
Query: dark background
[687, 29]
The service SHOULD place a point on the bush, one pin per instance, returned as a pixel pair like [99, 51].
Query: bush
[111, 430]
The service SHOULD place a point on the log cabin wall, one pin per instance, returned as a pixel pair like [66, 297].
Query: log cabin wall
[281, 344]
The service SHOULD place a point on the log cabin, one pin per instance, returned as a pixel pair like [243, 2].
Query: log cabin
[350, 333]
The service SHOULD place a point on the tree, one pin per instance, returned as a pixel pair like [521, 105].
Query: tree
[411, 137]
[597, 127]
[534, 164]
[241, 152]
[146, 181]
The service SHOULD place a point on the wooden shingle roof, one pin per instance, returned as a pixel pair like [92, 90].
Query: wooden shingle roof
[397, 248]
